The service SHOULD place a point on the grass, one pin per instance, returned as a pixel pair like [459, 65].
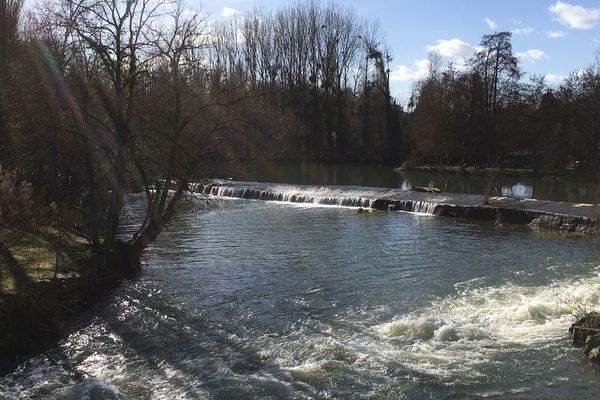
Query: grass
[504, 171]
[34, 307]
[30, 258]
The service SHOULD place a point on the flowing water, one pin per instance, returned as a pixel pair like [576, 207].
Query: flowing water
[247, 299]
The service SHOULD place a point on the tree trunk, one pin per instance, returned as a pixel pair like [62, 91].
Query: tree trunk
[154, 226]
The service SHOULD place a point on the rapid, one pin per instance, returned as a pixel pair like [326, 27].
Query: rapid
[244, 299]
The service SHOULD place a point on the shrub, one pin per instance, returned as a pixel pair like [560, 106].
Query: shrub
[17, 206]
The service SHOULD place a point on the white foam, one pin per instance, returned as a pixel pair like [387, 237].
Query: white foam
[466, 329]
[96, 388]
[453, 337]
[321, 196]
[424, 207]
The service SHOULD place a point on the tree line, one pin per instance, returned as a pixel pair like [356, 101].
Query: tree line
[328, 68]
[100, 98]
[487, 113]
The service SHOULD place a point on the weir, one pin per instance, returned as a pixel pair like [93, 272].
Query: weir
[537, 214]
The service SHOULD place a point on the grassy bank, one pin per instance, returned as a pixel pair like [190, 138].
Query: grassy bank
[46, 279]
[29, 260]
[508, 172]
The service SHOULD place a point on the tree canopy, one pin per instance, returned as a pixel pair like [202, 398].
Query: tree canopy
[487, 114]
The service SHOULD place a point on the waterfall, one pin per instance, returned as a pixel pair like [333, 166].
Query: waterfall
[290, 194]
[424, 207]
[340, 196]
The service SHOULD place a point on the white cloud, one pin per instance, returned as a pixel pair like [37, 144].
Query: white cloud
[531, 55]
[556, 34]
[403, 73]
[555, 78]
[491, 23]
[523, 31]
[576, 17]
[454, 49]
[228, 11]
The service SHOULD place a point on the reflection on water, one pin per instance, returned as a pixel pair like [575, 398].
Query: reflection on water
[547, 188]
[519, 190]
[259, 300]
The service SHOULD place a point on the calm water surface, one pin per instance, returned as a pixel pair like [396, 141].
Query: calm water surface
[547, 188]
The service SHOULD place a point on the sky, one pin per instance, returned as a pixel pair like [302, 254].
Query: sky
[550, 37]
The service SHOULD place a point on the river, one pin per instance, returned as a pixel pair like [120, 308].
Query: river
[244, 299]
[555, 188]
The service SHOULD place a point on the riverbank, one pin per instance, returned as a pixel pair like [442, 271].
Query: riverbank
[47, 278]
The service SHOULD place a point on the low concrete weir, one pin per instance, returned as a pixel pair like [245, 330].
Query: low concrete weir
[537, 214]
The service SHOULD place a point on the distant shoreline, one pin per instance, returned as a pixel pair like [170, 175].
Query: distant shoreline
[504, 172]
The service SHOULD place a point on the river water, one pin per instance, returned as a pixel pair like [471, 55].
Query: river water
[554, 188]
[243, 299]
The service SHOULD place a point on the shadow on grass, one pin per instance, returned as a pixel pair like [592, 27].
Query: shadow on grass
[14, 269]
[33, 304]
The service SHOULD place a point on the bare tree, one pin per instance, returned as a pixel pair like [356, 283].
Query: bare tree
[170, 149]
[497, 65]
[10, 11]
[118, 34]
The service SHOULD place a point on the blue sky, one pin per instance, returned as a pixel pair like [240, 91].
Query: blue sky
[551, 37]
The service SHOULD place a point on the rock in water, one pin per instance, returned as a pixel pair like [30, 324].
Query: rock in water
[588, 325]
[592, 342]
[594, 355]
[425, 189]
